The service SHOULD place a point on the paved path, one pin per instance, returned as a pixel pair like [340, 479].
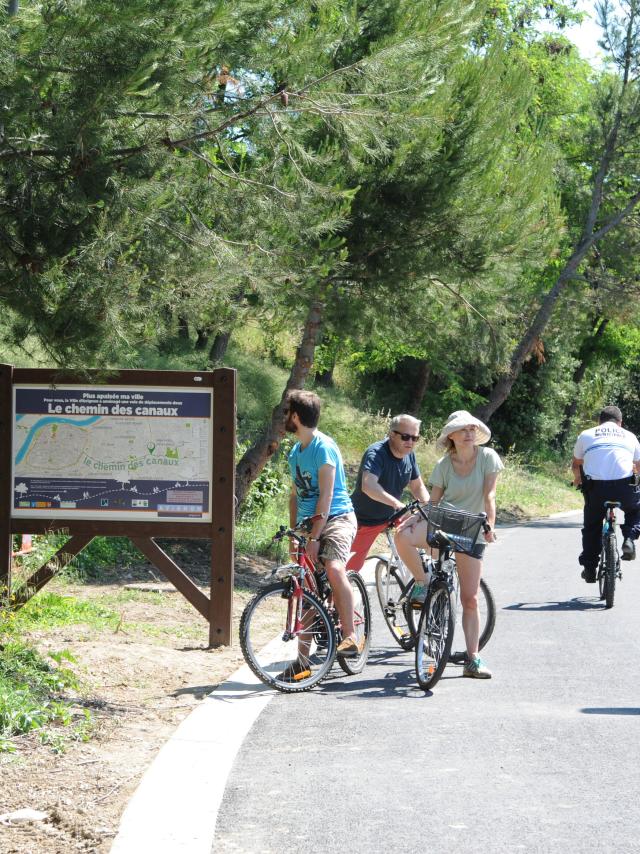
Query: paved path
[542, 758]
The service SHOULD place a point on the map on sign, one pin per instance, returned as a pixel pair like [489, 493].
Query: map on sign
[112, 453]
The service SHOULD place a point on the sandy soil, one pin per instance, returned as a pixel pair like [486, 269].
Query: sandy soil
[142, 679]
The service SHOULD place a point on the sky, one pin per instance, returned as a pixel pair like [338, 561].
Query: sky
[587, 34]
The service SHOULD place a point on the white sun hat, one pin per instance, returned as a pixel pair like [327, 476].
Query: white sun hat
[459, 419]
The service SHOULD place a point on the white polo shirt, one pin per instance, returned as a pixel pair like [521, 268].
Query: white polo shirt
[608, 451]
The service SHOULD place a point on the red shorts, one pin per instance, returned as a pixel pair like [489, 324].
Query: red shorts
[365, 535]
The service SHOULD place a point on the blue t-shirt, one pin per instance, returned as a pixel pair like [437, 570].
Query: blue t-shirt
[393, 476]
[305, 464]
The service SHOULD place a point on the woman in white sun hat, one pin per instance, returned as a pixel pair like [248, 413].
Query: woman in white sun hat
[465, 478]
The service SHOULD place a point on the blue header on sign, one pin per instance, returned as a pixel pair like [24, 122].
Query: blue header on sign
[104, 401]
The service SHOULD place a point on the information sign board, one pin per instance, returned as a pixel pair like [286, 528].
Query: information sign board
[112, 452]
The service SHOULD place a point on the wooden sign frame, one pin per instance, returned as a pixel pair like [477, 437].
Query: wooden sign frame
[217, 609]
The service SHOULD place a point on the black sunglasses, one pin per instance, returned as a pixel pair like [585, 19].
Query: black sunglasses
[406, 437]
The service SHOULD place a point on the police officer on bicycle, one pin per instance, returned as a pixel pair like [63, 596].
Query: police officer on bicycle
[606, 459]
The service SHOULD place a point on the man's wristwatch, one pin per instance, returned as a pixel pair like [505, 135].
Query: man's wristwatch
[314, 539]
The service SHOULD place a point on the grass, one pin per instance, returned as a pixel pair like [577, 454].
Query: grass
[530, 490]
[34, 696]
[51, 610]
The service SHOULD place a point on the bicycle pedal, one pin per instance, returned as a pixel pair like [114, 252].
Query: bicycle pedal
[304, 674]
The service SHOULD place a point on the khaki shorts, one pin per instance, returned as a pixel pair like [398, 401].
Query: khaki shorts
[337, 536]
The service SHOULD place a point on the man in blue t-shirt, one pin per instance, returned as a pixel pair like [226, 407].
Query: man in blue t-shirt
[320, 490]
[388, 468]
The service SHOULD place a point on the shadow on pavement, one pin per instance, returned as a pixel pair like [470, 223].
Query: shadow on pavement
[611, 710]
[578, 604]
[545, 523]
[197, 691]
[392, 683]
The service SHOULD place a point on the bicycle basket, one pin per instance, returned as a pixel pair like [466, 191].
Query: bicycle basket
[460, 527]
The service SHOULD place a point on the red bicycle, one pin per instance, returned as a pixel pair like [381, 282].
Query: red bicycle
[290, 630]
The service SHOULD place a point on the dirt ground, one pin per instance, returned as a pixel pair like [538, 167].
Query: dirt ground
[142, 679]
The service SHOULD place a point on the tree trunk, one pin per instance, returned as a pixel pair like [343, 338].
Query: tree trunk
[590, 236]
[586, 351]
[202, 339]
[257, 456]
[219, 347]
[183, 329]
[325, 378]
[502, 389]
[420, 387]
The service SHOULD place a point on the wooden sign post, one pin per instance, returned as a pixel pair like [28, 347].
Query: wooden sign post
[141, 454]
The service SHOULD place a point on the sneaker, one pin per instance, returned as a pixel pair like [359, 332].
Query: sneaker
[418, 595]
[628, 549]
[350, 648]
[476, 669]
[294, 672]
[589, 575]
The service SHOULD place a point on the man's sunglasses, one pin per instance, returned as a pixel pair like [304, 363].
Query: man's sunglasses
[406, 437]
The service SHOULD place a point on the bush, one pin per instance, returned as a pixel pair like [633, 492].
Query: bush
[32, 695]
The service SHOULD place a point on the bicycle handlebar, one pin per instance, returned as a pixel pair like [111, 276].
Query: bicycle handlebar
[415, 506]
[303, 527]
[411, 507]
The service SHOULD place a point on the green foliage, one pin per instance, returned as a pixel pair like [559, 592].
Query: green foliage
[33, 696]
[254, 532]
[535, 488]
[101, 552]
[273, 480]
[46, 610]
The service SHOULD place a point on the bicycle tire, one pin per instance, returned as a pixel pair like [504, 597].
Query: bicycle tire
[435, 635]
[610, 570]
[487, 609]
[265, 617]
[602, 575]
[362, 623]
[391, 587]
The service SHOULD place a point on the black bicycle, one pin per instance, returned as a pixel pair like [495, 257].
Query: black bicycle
[609, 566]
[446, 529]
[394, 584]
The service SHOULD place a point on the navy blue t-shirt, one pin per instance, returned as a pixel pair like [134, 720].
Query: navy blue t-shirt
[393, 476]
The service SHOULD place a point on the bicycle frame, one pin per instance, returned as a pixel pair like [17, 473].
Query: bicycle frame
[445, 552]
[302, 574]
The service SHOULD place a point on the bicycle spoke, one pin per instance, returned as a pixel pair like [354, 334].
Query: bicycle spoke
[288, 660]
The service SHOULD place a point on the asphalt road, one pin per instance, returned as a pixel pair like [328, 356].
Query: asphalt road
[541, 758]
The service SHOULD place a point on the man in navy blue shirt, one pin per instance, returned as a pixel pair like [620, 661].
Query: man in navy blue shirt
[388, 468]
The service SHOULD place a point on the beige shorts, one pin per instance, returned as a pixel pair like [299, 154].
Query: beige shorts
[337, 536]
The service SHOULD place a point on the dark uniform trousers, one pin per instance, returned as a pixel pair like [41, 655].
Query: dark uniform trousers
[596, 492]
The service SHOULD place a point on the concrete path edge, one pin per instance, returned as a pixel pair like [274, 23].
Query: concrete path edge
[174, 809]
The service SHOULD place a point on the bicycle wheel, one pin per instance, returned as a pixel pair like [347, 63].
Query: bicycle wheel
[270, 647]
[362, 624]
[610, 569]
[487, 611]
[393, 585]
[435, 635]
[602, 574]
